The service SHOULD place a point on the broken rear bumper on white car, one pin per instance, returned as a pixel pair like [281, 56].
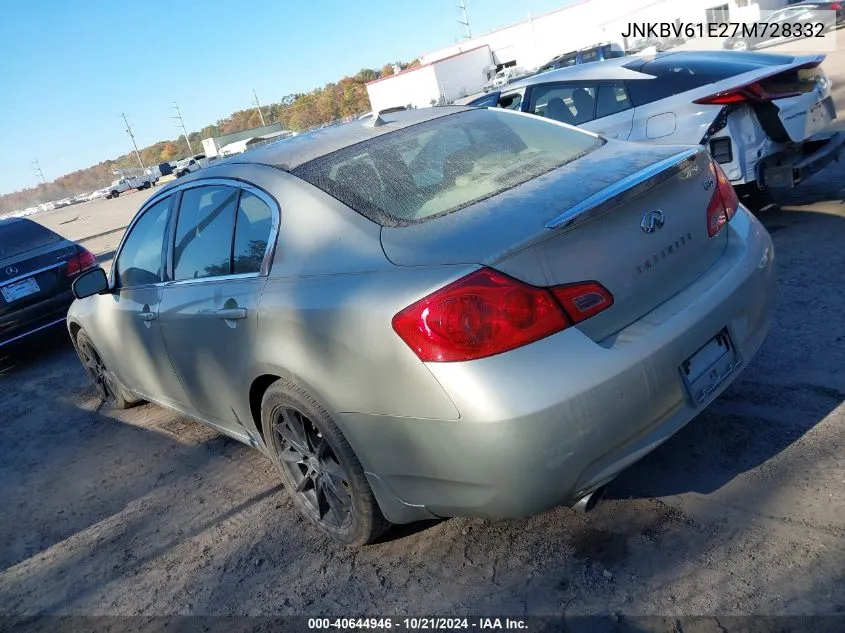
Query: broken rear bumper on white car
[797, 163]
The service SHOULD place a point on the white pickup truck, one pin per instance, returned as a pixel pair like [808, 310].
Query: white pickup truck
[127, 183]
[190, 164]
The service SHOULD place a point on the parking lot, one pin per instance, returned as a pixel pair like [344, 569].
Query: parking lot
[143, 512]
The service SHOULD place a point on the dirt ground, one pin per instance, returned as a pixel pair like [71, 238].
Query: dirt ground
[143, 512]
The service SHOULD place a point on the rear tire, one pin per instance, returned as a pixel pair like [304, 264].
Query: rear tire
[108, 386]
[318, 466]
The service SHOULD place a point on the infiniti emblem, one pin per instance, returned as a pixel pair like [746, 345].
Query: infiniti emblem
[652, 220]
[11, 270]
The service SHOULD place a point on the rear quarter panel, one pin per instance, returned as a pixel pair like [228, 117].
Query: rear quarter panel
[325, 315]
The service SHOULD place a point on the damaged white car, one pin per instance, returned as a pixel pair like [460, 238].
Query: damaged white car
[764, 117]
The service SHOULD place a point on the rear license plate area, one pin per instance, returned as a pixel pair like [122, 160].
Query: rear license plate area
[20, 289]
[710, 366]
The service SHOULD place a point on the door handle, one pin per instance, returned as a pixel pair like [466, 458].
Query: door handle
[147, 316]
[232, 313]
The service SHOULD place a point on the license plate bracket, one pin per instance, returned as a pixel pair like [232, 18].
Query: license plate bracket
[20, 289]
[710, 366]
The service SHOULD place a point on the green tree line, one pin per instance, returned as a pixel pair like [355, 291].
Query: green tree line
[300, 111]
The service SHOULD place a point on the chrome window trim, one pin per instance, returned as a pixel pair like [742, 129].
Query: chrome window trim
[269, 253]
[32, 273]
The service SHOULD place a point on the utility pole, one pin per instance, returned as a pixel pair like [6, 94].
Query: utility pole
[465, 21]
[132, 136]
[257, 105]
[37, 169]
[182, 125]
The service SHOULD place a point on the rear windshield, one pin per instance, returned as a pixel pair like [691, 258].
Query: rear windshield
[20, 236]
[443, 165]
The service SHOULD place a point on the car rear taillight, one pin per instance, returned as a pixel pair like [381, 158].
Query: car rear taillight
[83, 260]
[836, 6]
[583, 300]
[488, 312]
[723, 204]
[749, 93]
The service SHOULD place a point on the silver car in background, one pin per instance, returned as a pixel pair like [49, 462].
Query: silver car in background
[438, 312]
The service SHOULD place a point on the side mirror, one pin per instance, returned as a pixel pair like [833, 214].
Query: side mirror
[91, 283]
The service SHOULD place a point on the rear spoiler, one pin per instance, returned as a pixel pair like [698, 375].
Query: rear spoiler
[626, 189]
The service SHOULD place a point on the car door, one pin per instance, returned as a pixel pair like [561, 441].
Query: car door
[219, 258]
[128, 330]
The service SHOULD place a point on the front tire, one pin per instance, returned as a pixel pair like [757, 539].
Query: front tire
[740, 45]
[108, 387]
[115, 194]
[318, 466]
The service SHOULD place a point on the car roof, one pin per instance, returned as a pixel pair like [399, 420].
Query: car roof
[607, 70]
[290, 153]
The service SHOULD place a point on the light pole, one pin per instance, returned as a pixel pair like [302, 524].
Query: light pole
[132, 136]
[182, 125]
[257, 105]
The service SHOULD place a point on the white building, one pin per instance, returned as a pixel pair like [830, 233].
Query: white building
[450, 76]
[462, 68]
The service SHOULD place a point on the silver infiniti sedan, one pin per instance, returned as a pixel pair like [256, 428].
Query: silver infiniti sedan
[438, 312]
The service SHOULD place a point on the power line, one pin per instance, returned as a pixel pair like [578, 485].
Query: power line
[182, 125]
[37, 169]
[132, 136]
[258, 105]
[465, 21]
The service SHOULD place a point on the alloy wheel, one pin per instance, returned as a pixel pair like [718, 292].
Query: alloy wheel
[96, 369]
[319, 478]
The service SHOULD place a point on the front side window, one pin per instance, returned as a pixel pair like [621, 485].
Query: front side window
[443, 165]
[568, 103]
[253, 225]
[203, 243]
[140, 260]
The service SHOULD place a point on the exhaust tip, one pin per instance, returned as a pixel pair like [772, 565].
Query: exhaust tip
[590, 500]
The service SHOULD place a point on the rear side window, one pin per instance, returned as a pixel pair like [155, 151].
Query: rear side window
[440, 166]
[252, 234]
[204, 232]
[21, 235]
[611, 99]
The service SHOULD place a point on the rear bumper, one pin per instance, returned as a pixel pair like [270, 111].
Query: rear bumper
[792, 167]
[18, 325]
[544, 424]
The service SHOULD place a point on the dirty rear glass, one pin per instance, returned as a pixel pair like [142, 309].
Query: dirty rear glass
[23, 235]
[443, 165]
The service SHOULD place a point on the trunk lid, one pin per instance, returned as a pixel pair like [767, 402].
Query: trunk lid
[792, 101]
[604, 210]
[32, 276]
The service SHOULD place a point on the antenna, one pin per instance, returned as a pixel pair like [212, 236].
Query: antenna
[465, 22]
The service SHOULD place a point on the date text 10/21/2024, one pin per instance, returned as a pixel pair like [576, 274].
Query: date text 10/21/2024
[418, 624]
[759, 30]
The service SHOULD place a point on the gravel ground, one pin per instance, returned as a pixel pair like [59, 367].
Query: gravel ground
[144, 512]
